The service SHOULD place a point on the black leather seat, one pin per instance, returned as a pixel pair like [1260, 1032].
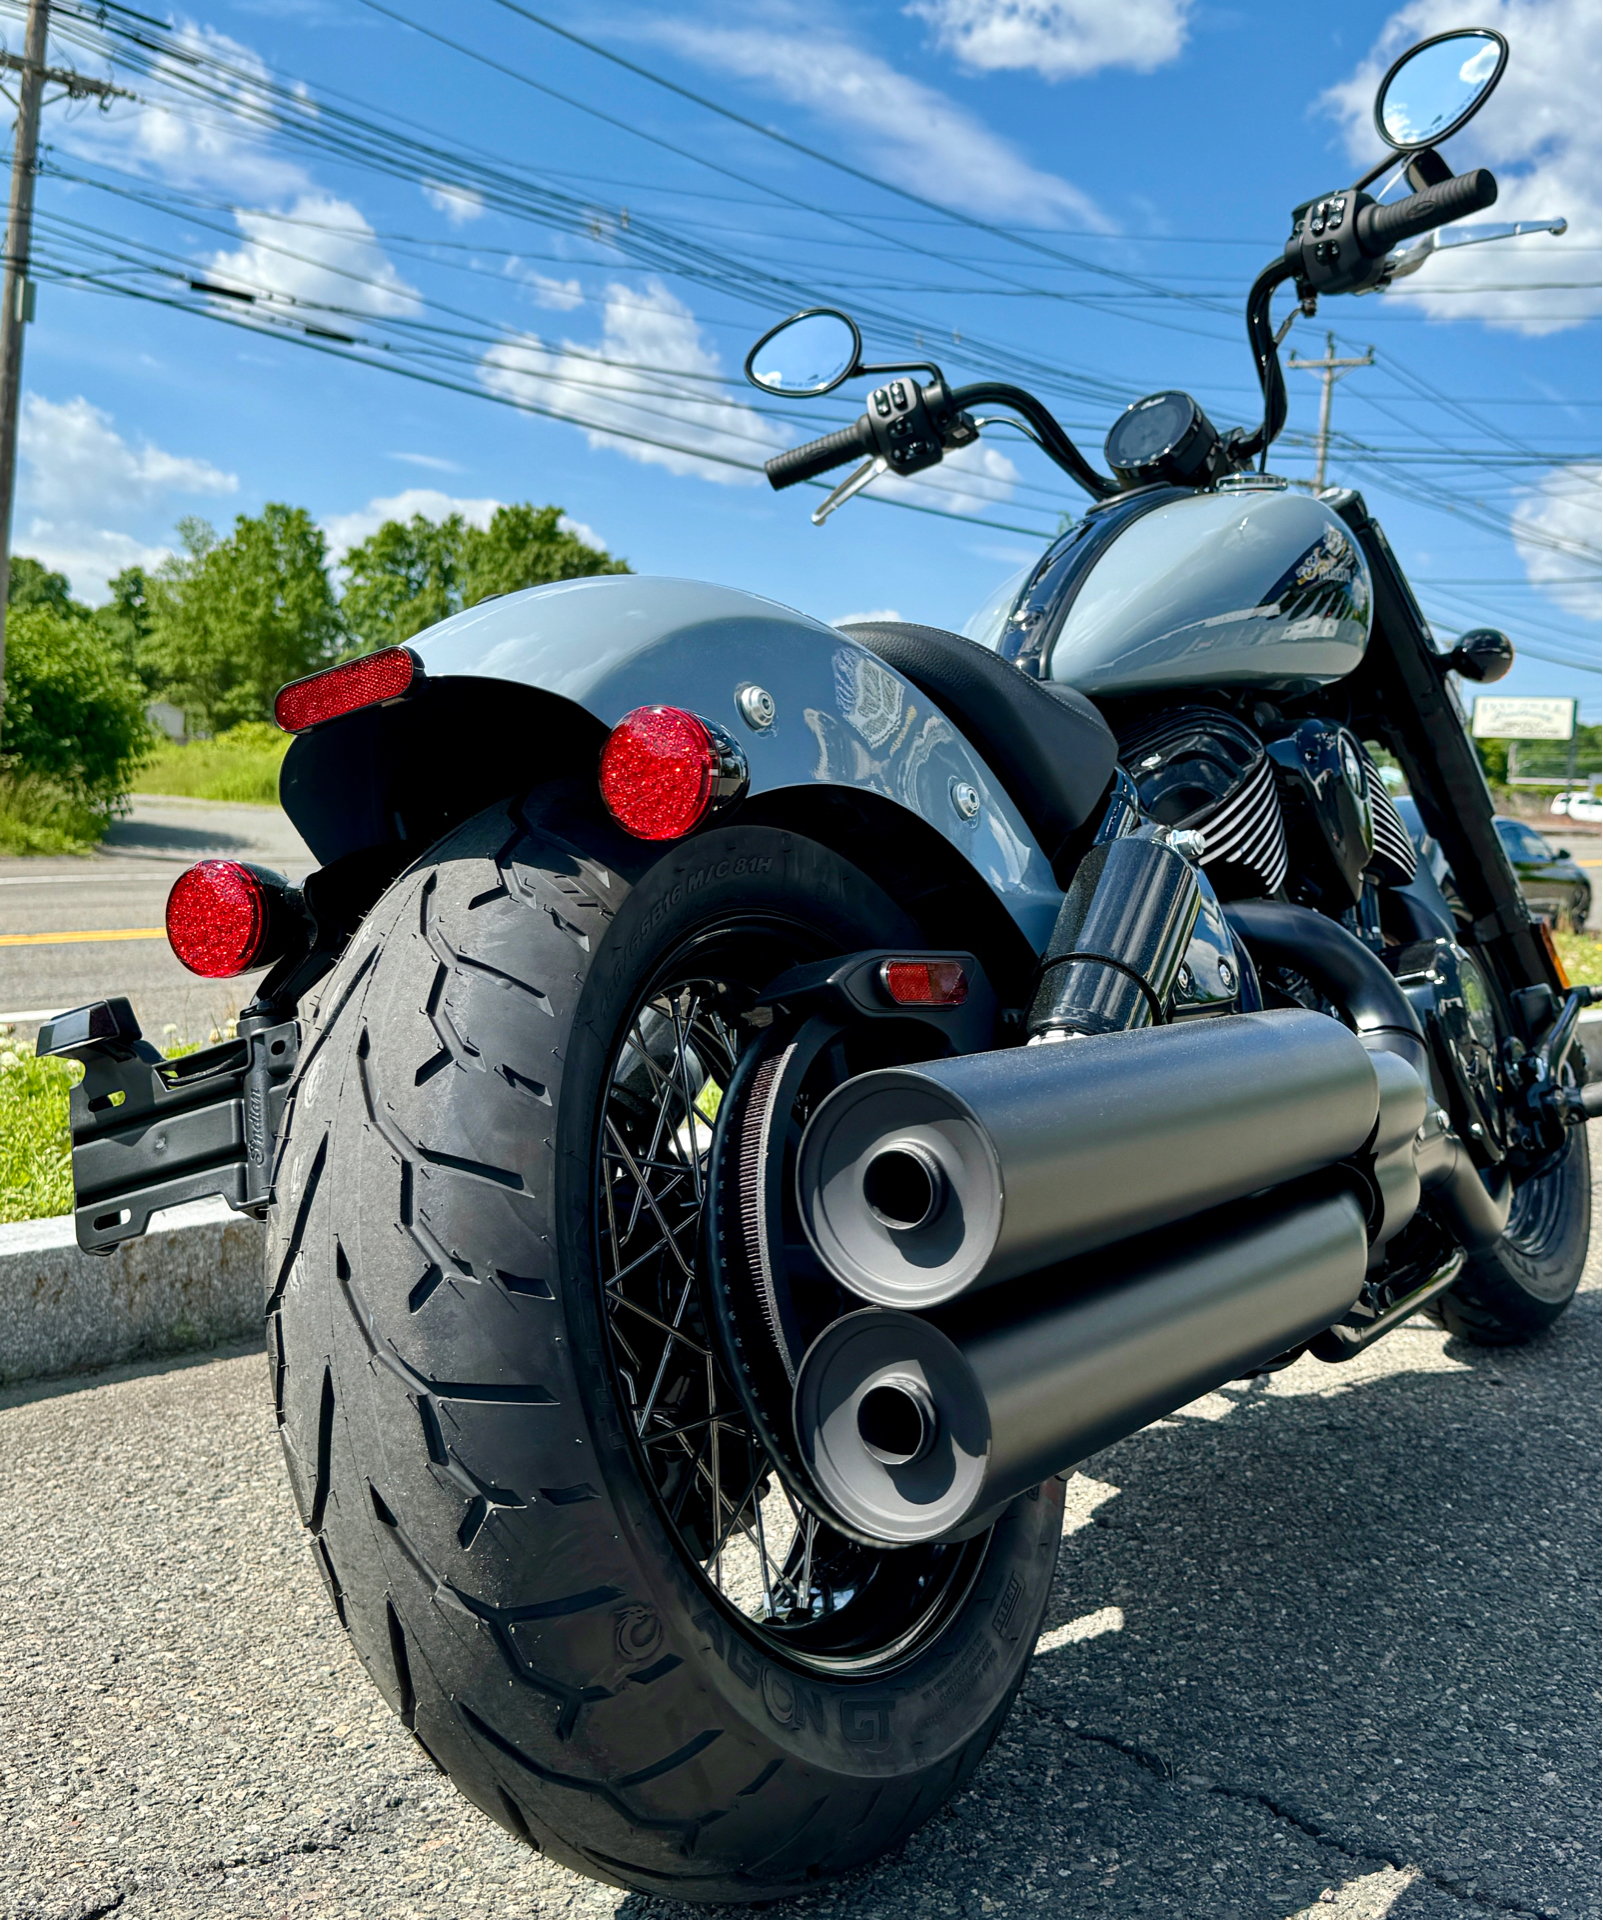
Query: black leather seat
[1047, 744]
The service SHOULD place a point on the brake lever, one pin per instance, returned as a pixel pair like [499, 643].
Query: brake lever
[854, 483]
[1415, 257]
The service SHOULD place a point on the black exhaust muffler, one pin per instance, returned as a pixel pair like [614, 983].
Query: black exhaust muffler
[918, 1429]
[919, 1184]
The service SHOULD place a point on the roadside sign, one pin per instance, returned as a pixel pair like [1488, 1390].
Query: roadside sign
[1501, 717]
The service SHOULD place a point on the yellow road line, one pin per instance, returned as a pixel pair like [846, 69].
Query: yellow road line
[61, 939]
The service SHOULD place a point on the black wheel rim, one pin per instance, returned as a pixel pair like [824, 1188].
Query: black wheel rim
[811, 1595]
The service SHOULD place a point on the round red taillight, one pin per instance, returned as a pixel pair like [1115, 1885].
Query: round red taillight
[217, 918]
[663, 768]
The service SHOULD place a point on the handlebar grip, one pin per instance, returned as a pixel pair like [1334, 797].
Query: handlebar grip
[1381, 228]
[806, 462]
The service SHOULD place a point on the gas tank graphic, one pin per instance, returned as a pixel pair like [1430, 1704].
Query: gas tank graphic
[1252, 585]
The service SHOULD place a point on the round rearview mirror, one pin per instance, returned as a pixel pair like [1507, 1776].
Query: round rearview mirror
[1435, 87]
[807, 354]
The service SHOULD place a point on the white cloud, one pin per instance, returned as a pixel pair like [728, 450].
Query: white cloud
[458, 204]
[911, 133]
[225, 147]
[560, 295]
[877, 615]
[77, 472]
[1059, 39]
[1538, 133]
[620, 385]
[1556, 530]
[435, 462]
[582, 531]
[320, 253]
[343, 531]
[346, 530]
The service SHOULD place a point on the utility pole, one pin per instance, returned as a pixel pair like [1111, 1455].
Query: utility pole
[1331, 369]
[17, 293]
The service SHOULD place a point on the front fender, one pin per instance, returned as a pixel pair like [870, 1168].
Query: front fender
[603, 646]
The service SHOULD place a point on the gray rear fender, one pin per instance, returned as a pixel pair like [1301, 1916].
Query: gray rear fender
[524, 689]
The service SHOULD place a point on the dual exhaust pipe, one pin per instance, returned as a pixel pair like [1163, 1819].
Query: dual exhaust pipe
[1057, 1245]
[920, 1429]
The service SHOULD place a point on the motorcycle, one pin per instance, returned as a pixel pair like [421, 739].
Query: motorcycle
[743, 1107]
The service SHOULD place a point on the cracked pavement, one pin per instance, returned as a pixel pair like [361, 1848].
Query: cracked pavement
[1322, 1643]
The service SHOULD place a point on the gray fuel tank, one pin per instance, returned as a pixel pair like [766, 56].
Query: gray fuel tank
[1248, 587]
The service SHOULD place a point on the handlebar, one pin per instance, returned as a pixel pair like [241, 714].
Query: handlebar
[1332, 266]
[1050, 437]
[1380, 228]
[806, 462]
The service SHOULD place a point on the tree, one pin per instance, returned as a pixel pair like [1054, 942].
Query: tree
[409, 575]
[1494, 761]
[1544, 762]
[125, 620]
[34, 585]
[231, 620]
[403, 578]
[74, 714]
[526, 546]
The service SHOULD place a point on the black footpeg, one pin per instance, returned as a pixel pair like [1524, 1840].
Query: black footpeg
[149, 1133]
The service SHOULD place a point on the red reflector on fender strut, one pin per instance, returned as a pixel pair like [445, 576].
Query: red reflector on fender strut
[663, 769]
[925, 983]
[217, 918]
[365, 682]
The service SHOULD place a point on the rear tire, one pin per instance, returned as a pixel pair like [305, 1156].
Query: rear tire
[447, 1386]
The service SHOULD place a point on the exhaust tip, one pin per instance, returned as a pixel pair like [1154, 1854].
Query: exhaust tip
[896, 1422]
[899, 1190]
[893, 1426]
[904, 1186]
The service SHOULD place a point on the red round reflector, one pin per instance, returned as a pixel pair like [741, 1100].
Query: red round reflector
[925, 983]
[659, 770]
[217, 918]
[364, 682]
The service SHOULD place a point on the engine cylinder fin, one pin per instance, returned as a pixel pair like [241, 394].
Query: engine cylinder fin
[1196, 767]
[1394, 862]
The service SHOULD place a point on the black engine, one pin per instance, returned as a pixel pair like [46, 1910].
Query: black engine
[1308, 811]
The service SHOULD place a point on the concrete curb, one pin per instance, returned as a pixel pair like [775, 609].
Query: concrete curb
[194, 1280]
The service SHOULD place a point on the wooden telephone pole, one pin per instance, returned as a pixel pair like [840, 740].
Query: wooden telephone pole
[17, 292]
[1331, 370]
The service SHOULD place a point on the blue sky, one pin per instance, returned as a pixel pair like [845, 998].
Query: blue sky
[527, 223]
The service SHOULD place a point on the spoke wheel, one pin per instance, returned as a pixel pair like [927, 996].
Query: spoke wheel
[544, 1519]
[822, 1600]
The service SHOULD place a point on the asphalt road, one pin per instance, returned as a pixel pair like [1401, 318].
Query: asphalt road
[123, 889]
[1324, 1644]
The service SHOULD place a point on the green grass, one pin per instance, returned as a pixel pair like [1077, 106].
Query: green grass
[35, 1146]
[37, 816]
[241, 764]
[35, 1138]
[1582, 954]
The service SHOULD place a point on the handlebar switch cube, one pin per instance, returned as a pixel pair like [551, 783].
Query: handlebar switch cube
[1324, 245]
[907, 424]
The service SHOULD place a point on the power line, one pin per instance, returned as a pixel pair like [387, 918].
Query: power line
[16, 292]
[356, 139]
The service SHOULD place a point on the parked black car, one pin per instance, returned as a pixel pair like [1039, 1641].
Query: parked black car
[1554, 883]
[1552, 880]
